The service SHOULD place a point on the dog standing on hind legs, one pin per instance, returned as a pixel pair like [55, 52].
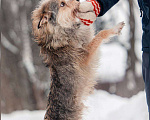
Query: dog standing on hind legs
[69, 49]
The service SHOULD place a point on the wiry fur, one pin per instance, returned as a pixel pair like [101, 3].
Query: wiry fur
[69, 51]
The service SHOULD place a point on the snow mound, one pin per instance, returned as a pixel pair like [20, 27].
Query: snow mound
[103, 106]
[24, 115]
[134, 109]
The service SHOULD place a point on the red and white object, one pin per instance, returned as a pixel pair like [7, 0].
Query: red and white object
[88, 11]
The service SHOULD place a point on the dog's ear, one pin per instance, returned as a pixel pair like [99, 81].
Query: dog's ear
[44, 19]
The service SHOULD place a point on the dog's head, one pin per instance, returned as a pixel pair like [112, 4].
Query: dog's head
[62, 12]
[51, 15]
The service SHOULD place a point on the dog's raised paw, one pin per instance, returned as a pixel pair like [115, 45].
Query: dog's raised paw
[117, 29]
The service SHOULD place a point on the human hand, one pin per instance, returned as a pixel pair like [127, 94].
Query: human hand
[88, 11]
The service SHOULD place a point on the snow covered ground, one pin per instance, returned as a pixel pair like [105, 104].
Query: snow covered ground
[101, 106]
[112, 62]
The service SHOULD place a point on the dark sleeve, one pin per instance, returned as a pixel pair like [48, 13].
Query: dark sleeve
[106, 5]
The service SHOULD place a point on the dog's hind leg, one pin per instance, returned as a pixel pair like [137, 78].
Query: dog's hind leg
[104, 34]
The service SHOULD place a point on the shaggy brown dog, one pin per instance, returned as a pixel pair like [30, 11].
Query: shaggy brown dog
[69, 50]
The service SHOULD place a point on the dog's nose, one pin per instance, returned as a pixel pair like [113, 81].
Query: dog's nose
[78, 0]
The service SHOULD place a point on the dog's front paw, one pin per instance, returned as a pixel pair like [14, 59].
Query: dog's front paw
[117, 29]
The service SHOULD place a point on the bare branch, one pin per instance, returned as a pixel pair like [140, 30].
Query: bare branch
[5, 42]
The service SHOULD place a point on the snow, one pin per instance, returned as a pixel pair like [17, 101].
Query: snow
[136, 111]
[101, 106]
[112, 62]
[24, 115]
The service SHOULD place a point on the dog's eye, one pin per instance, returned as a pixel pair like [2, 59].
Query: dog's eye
[62, 4]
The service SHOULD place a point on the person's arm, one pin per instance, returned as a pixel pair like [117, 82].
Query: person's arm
[106, 5]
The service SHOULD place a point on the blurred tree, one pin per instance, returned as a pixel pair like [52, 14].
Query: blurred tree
[24, 78]
[131, 83]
